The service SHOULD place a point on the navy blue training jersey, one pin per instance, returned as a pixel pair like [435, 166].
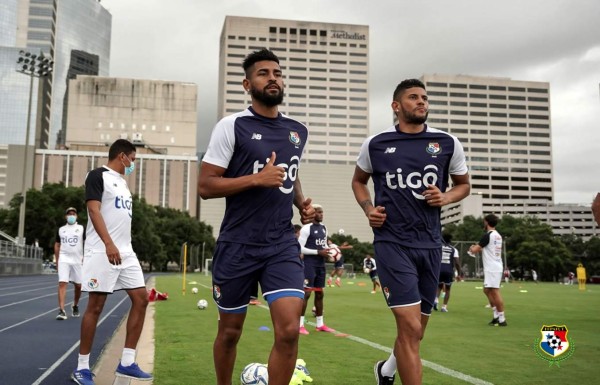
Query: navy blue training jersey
[448, 255]
[313, 237]
[402, 166]
[242, 144]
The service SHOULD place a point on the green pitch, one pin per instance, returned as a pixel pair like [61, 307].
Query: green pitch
[459, 346]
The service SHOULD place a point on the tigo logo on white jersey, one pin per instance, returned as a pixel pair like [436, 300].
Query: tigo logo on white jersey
[390, 150]
[256, 136]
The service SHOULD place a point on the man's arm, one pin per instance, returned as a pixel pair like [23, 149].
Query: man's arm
[93, 207]
[56, 251]
[304, 205]
[211, 183]
[596, 208]
[461, 187]
[376, 215]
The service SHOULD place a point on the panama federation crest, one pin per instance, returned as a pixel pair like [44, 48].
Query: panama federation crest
[554, 346]
[434, 148]
[295, 138]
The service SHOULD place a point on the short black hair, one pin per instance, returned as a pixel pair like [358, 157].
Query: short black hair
[447, 237]
[406, 84]
[492, 220]
[256, 56]
[297, 228]
[119, 146]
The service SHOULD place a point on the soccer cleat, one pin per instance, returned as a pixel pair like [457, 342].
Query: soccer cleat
[494, 322]
[132, 371]
[303, 330]
[329, 282]
[325, 328]
[61, 315]
[373, 291]
[381, 379]
[83, 377]
[503, 323]
[444, 310]
[254, 302]
[338, 282]
[435, 306]
[75, 311]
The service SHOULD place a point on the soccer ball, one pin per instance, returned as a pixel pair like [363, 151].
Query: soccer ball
[334, 254]
[341, 231]
[367, 271]
[202, 304]
[255, 374]
[194, 290]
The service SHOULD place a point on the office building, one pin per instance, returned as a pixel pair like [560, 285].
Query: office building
[326, 72]
[159, 115]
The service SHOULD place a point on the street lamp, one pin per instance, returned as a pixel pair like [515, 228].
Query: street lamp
[37, 66]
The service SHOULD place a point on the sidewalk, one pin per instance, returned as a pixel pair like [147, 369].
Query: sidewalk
[108, 361]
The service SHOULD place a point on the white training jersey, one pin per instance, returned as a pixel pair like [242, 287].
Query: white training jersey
[71, 239]
[110, 188]
[491, 244]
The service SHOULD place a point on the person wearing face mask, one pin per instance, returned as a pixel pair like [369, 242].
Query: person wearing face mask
[68, 251]
[109, 262]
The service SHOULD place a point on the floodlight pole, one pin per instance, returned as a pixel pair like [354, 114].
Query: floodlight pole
[28, 63]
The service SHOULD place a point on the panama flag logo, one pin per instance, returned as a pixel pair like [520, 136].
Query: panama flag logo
[554, 344]
[434, 148]
[294, 138]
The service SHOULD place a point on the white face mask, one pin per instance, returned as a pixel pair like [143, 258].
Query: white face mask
[129, 169]
[71, 219]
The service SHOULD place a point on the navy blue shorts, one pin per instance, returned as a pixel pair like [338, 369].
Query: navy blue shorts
[408, 276]
[373, 275]
[446, 277]
[238, 268]
[339, 264]
[314, 272]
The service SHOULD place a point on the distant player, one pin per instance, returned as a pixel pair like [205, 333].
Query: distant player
[450, 261]
[338, 266]
[370, 267]
[68, 251]
[313, 244]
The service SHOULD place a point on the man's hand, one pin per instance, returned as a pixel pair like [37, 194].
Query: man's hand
[307, 212]
[114, 257]
[271, 175]
[376, 216]
[434, 197]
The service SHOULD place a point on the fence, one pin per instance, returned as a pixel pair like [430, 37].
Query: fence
[17, 260]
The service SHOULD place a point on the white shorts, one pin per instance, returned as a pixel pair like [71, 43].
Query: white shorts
[491, 279]
[69, 271]
[100, 276]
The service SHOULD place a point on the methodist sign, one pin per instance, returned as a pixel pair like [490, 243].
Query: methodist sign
[336, 34]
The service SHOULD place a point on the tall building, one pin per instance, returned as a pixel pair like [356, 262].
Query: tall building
[326, 72]
[504, 126]
[158, 115]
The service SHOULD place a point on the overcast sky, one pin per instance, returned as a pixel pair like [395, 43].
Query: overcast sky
[555, 41]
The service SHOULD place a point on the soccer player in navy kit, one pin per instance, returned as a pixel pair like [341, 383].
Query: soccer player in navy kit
[409, 164]
[450, 261]
[313, 244]
[109, 262]
[252, 160]
[370, 267]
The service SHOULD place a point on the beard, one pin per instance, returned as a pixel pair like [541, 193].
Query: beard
[266, 98]
[412, 118]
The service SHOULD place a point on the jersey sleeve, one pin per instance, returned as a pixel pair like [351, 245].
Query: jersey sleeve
[94, 186]
[304, 233]
[364, 159]
[485, 240]
[222, 143]
[456, 255]
[374, 264]
[458, 162]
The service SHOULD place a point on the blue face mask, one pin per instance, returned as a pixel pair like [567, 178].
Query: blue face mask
[71, 219]
[129, 169]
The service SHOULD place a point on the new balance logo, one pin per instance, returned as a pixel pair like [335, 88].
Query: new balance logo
[390, 150]
[256, 136]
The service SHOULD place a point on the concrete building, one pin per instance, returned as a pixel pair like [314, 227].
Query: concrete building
[325, 68]
[159, 115]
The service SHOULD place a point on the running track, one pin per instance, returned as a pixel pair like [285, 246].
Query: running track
[35, 348]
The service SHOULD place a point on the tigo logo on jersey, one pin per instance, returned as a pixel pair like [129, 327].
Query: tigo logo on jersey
[93, 283]
[291, 172]
[434, 148]
[390, 150]
[414, 180]
[554, 346]
[295, 138]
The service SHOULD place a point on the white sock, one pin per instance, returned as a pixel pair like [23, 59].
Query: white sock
[501, 316]
[128, 357]
[301, 321]
[83, 362]
[389, 367]
[320, 321]
[495, 312]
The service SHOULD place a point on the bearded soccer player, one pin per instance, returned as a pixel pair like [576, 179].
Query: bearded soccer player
[409, 164]
[252, 160]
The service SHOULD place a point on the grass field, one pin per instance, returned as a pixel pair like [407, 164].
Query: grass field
[458, 344]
